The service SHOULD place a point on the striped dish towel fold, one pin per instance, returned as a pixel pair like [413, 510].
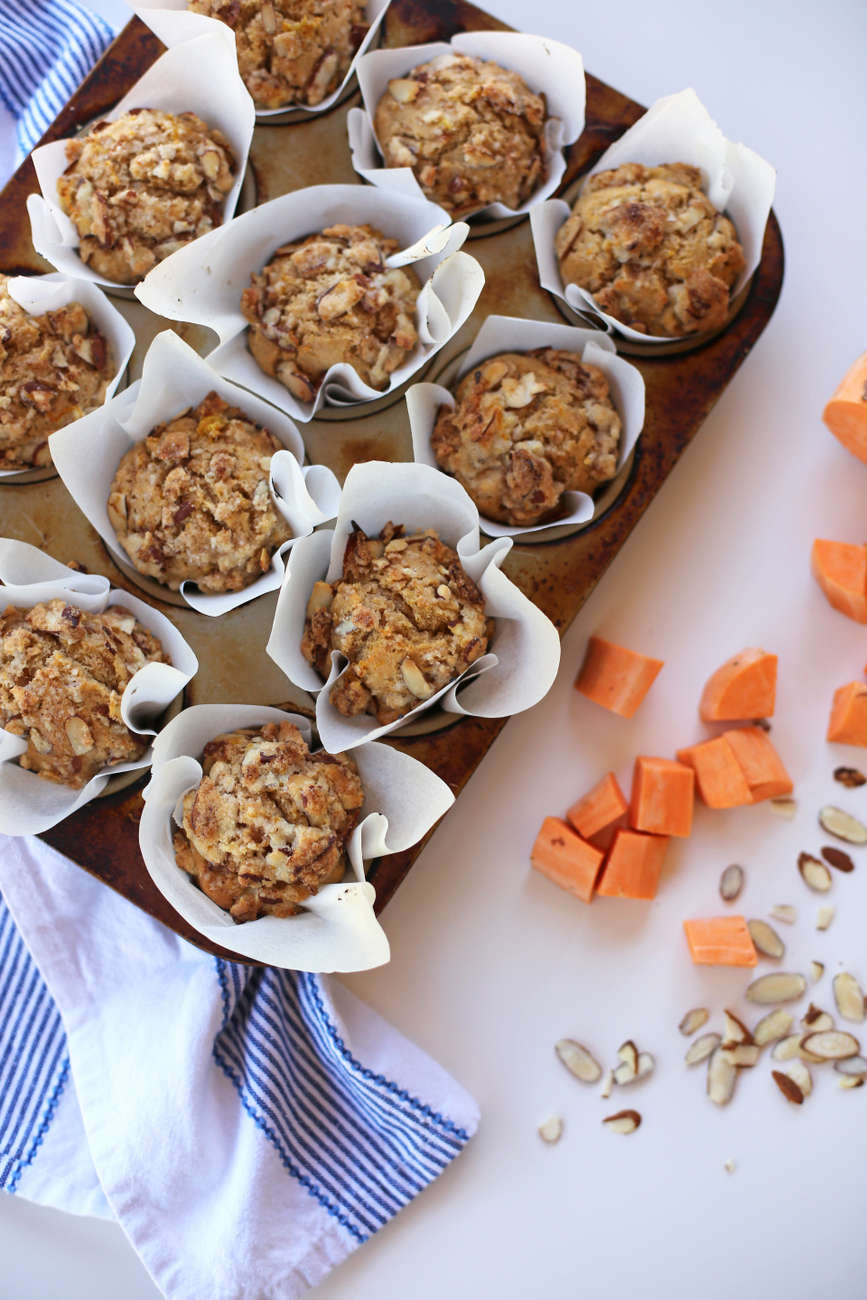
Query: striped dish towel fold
[248, 1127]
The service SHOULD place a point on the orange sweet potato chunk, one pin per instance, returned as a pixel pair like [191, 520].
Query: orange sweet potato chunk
[600, 808]
[633, 865]
[615, 677]
[718, 776]
[846, 413]
[662, 796]
[564, 858]
[848, 722]
[744, 687]
[720, 941]
[760, 763]
[840, 568]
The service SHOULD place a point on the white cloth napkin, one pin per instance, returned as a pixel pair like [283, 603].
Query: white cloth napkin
[248, 1127]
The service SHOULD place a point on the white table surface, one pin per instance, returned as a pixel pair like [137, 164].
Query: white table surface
[491, 964]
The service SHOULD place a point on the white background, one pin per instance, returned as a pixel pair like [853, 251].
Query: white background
[492, 964]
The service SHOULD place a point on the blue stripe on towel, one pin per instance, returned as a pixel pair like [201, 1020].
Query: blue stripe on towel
[359, 1144]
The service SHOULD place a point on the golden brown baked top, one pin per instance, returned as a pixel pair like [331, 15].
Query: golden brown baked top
[142, 187]
[526, 428]
[291, 51]
[405, 614]
[62, 675]
[327, 299]
[470, 130]
[191, 502]
[652, 249]
[54, 368]
[269, 823]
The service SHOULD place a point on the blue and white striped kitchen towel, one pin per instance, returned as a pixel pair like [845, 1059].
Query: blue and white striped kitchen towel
[249, 1128]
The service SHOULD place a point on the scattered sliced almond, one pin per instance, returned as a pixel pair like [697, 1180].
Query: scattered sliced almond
[784, 912]
[815, 1019]
[701, 1049]
[783, 807]
[851, 1081]
[735, 1031]
[721, 1075]
[578, 1060]
[788, 1087]
[837, 858]
[848, 997]
[625, 1121]
[624, 1074]
[817, 970]
[800, 1075]
[550, 1129]
[741, 1055]
[731, 883]
[607, 1085]
[787, 1048]
[771, 1027]
[856, 1065]
[842, 825]
[814, 873]
[627, 1053]
[766, 940]
[831, 1045]
[781, 986]
[824, 917]
[849, 776]
[694, 1020]
[730, 1166]
[645, 1065]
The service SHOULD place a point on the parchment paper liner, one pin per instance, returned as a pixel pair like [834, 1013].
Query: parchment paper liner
[38, 294]
[547, 67]
[174, 378]
[677, 128]
[172, 22]
[200, 77]
[204, 283]
[511, 334]
[337, 930]
[30, 803]
[516, 672]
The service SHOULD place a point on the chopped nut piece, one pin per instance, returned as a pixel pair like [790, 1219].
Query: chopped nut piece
[854, 1065]
[801, 1077]
[842, 825]
[788, 1087]
[824, 917]
[784, 807]
[578, 1060]
[837, 858]
[607, 1084]
[814, 873]
[765, 939]
[701, 1049]
[772, 1026]
[849, 776]
[815, 1019]
[848, 997]
[852, 1081]
[721, 1075]
[781, 986]
[731, 883]
[784, 912]
[625, 1121]
[730, 1166]
[694, 1020]
[817, 970]
[787, 1048]
[735, 1030]
[741, 1055]
[550, 1129]
[831, 1045]
[628, 1054]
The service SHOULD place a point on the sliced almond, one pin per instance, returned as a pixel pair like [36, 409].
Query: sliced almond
[815, 1020]
[842, 825]
[785, 807]
[79, 735]
[607, 1085]
[817, 970]
[415, 680]
[550, 1129]
[837, 858]
[321, 597]
[625, 1121]
[787, 1048]
[701, 1049]
[766, 940]
[849, 776]
[741, 1055]
[721, 1075]
[784, 912]
[731, 883]
[851, 1081]
[800, 1075]
[788, 1087]
[824, 917]
[735, 1030]
[730, 1166]
[578, 1060]
[814, 873]
[771, 1027]
[646, 1064]
[781, 986]
[624, 1074]
[628, 1054]
[852, 1065]
[694, 1020]
[831, 1045]
[848, 997]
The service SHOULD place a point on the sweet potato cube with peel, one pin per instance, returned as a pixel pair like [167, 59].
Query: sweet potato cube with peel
[662, 794]
[846, 413]
[840, 568]
[600, 808]
[848, 722]
[718, 776]
[720, 941]
[633, 865]
[615, 677]
[744, 687]
[760, 763]
[565, 858]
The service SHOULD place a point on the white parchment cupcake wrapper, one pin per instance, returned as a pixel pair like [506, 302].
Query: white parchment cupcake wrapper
[337, 929]
[175, 378]
[677, 128]
[30, 803]
[200, 77]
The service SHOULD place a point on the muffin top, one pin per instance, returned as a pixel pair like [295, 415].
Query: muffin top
[268, 824]
[54, 368]
[652, 249]
[291, 51]
[328, 299]
[405, 614]
[62, 675]
[142, 187]
[526, 428]
[191, 501]
[470, 130]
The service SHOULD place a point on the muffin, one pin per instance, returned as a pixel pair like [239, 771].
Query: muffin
[471, 131]
[62, 675]
[53, 369]
[142, 187]
[526, 428]
[191, 502]
[328, 299]
[269, 822]
[405, 614]
[291, 51]
[652, 249]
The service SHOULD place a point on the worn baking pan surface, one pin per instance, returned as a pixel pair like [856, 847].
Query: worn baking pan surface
[558, 575]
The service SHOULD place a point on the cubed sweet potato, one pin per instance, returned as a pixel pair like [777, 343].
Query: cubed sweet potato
[720, 941]
[599, 809]
[662, 795]
[633, 865]
[848, 721]
[760, 763]
[840, 568]
[744, 687]
[615, 677]
[846, 413]
[566, 859]
[718, 776]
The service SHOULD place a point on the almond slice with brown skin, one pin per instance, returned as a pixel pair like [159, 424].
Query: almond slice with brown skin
[850, 777]
[766, 940]
[607, 1085]
[735, 1031]
[578, 1060]
[787, 1048]
[851, 1081]
[625, 1121]
[848, 997]
[784, 912]
[814, 873]
[837, 858]
[784, 807]
[741, 1055]
[694, 1020]
[814, 1020]
[721, 1075]
[646, 1065]
[701, 1049]
[824, 917]
[817, 970]
[842, 825]
[788, 1087]
[831, 1045]
[800, 1075]
[731, 883]
[781, 986]
[771, 1027]
[627, 1053]
[550, 1129]
[856, 1065]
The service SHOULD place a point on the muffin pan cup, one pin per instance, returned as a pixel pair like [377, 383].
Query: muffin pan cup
[30, 803]
[337, 929]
